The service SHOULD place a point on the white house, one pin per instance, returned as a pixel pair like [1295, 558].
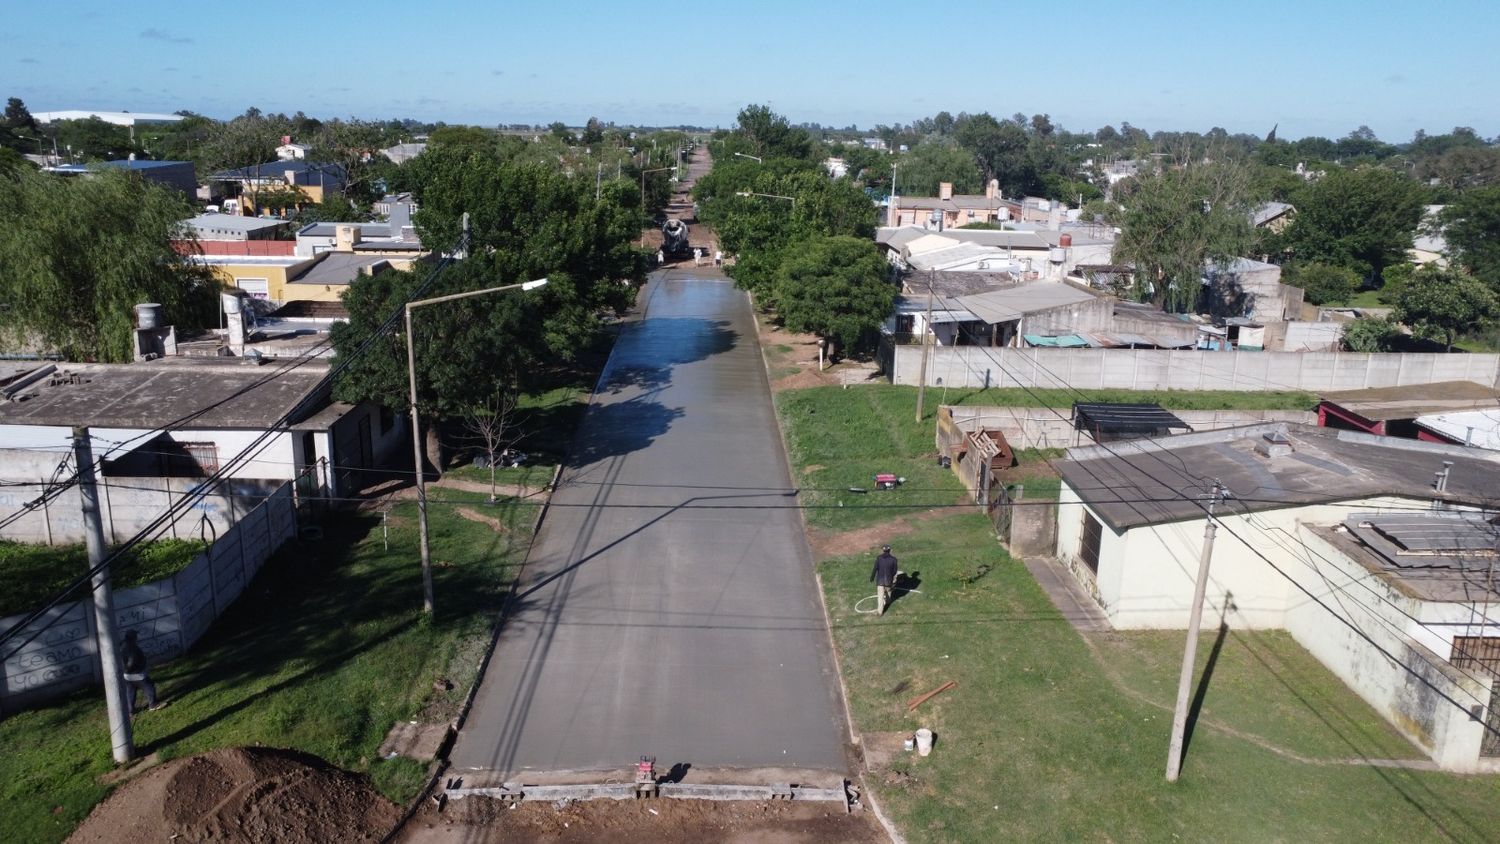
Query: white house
[1374, 553]
[289, 151]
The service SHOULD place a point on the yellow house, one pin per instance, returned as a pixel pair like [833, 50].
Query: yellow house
[317, 278]
[312, 180]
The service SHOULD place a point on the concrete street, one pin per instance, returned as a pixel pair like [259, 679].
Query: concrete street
[669, 606]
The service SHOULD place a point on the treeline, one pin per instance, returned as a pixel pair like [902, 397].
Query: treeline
[803, 242]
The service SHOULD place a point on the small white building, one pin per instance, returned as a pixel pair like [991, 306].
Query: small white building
[289, 151]
[1376, 554]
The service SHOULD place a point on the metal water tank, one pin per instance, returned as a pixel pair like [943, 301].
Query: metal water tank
[148, 315]
[230, 302]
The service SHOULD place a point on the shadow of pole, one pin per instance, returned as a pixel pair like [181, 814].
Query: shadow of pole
[1202, 692]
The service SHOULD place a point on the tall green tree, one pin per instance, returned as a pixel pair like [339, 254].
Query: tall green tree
[1175, 223]
[770, 135]
[1443, 304]
[1471, 225]
[1325, 284]
[834, 287]
[1362, 219]
[79, 254]
[937, 160]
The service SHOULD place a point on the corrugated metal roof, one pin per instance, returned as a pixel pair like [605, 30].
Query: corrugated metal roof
[1012, 303]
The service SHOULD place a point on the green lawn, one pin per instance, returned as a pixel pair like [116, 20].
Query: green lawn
[326, 649]
[34, 573]
[1362, 299]
[840, 438]
[1051, 737]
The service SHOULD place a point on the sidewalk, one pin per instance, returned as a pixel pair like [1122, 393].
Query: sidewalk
[1068, 595]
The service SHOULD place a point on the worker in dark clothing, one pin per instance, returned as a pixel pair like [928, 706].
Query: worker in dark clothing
[884, 575]
[133, 663]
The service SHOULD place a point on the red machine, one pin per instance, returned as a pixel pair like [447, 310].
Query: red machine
[886, 480]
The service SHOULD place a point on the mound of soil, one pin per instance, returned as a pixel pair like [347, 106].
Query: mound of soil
[243, 794]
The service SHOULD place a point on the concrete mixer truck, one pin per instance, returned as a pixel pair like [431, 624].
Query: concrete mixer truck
[674, 237]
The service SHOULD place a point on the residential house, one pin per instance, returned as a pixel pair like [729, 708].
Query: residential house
[1252, 289]
[1374, 553]
[233, 227]
[316, 181]
[189, 417]
[1477, 428]
[289, 151]
[402, 153]
[948, 210]
[1273, 216]
[395, 234]
[1430, 246]
[320, 277]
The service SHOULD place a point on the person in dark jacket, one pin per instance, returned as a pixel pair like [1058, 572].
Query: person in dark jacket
[133, 663]
[884, 575]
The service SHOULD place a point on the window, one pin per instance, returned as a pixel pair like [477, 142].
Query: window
[1088, 546]
[189, 460]
[387, 420]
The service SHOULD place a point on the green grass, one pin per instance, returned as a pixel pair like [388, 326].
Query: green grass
[1362, 299]
[1039, 742]
[851, 434]
[533, 476]
[326, 649]
[34, 573]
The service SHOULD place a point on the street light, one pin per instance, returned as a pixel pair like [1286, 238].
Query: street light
[791, 199]
[758, 159]
[416, 424]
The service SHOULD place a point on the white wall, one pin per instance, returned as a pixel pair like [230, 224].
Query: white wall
[1155, 369]
[275, 460]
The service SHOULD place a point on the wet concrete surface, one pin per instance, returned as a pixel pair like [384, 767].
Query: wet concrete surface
[669, 607]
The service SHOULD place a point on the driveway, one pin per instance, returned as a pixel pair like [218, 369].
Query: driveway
[669, 606]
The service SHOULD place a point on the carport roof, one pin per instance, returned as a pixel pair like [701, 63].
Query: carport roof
[1012, 303]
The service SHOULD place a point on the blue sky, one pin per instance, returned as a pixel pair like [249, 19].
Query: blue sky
[1318, 67]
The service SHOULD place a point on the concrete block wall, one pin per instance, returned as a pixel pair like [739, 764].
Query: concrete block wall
[1157, 369]
[128, 505]
[168, 615]
[1041, 427]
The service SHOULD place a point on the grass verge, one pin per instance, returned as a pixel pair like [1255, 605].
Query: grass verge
[324, 651]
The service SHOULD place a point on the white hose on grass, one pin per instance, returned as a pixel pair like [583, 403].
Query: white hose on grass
[876, 598]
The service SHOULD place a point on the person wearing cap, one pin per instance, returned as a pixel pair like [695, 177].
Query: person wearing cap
[133, 663]
[884, 575]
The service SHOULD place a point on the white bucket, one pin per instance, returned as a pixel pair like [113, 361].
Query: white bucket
[924, 741]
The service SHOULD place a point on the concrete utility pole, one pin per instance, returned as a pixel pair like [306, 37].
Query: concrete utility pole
[926, 328]
[1190, 653]
[120, 738]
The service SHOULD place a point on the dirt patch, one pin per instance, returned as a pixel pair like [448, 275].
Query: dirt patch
[476, 516]
[243, 795]
[664, 821]
[827, 544]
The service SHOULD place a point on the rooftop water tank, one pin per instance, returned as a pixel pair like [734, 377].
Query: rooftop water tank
[148, 315]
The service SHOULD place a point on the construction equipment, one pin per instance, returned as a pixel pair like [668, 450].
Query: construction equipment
[674, 237]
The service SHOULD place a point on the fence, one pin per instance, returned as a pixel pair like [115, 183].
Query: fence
[1156, 369]
[128, 505]
[168, 615]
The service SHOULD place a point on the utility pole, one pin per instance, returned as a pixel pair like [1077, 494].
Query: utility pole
[1190, 652]
[120, 738]
[926, 329]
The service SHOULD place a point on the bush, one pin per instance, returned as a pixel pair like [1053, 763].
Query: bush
[1371, 334]
[1326, 284]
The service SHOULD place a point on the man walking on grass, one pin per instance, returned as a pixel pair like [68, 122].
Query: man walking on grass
[884, 575]
[133, 661]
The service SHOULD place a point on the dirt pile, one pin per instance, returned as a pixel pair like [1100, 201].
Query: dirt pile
[243, 794]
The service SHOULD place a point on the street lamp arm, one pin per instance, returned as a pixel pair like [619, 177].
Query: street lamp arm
[525, 285]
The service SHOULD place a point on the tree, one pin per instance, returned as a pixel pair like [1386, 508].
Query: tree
[770, 136]
[593, 132]
[1443, 303]
[1174, 223]
[561, 132]
[933, 161]
[1326, 284]
[79, 254]
[835, 287]
[18, 117]
[1361, 219]
[1471, 225]
[998, 148]
[1371, 334]
[492, 424]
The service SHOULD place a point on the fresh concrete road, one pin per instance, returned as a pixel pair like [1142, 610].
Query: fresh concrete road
[669, 606]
